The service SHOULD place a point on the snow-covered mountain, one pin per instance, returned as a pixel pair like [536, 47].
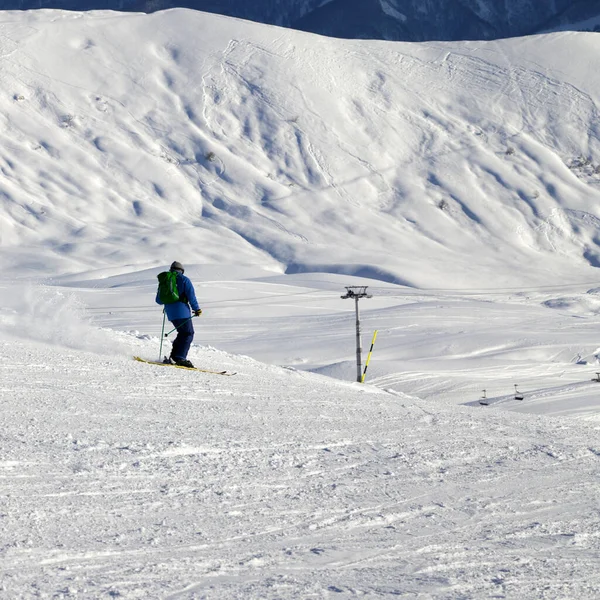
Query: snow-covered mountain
[280, 167]
[410, 20]
[297, 153]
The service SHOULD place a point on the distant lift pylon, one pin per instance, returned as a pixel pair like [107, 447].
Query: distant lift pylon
[357, 292]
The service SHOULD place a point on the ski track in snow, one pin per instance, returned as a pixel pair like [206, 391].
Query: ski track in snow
[127, 480]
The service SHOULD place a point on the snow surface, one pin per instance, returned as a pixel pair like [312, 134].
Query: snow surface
[127, 480]
[457, 181]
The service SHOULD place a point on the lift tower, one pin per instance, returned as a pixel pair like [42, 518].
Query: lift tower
[357, 292]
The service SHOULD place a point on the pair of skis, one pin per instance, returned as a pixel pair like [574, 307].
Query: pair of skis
[162, 364]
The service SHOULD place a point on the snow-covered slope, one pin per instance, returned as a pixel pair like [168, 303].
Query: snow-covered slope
[274, 165]
[132, 481]
[258, 155]
[223, 141]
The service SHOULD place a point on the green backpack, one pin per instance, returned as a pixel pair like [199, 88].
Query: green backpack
[167, 287]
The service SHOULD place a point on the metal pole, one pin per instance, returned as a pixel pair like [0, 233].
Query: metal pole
[162, 336]
[358, 345]
[357, 292]
[178, 326]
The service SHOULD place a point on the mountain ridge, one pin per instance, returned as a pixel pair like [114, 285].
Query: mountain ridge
[399, 20]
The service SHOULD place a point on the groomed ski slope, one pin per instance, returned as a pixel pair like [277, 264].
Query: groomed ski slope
[126, 480]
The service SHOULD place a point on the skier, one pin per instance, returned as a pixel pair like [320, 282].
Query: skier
[180, 315]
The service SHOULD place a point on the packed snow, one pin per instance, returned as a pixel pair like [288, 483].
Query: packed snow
[458, 181]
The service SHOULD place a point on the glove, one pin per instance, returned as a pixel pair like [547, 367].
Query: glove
[198, 312]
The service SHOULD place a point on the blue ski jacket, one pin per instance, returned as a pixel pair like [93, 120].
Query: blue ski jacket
[181, 310]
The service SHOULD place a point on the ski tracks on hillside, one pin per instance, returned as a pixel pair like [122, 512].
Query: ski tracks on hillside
[288, 148]
[278, 484]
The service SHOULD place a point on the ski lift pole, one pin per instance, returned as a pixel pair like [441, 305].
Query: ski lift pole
[356, 292]
[162, 337]
[358, 343]
[369, 356]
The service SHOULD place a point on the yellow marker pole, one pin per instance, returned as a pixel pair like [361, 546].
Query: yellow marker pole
[362, 380]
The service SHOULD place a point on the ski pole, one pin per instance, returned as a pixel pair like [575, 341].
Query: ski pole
[162, 336]
[178, 326]
[362, 380]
